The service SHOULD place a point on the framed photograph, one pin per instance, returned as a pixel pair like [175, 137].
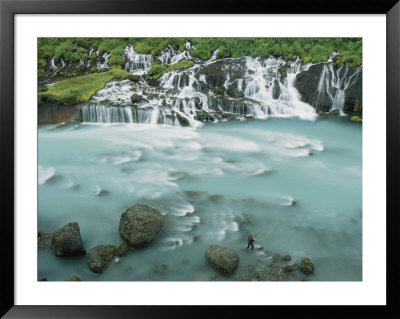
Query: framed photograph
[157, 155]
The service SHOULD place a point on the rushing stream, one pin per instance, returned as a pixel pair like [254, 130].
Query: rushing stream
[295, 183]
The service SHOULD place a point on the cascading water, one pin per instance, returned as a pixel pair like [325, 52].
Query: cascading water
[333, 84]
[218, 89]
[171, 56]
[136, 62]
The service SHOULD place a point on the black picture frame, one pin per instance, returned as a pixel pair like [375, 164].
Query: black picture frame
[9, 8]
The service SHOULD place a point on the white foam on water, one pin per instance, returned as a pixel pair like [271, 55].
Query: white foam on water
[44, 174]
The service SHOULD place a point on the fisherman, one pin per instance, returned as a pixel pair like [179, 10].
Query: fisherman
[250, 240]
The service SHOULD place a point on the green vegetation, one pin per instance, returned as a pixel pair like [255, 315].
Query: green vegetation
[156, 70]
[80, 89]
[356, 119]
[308, 49]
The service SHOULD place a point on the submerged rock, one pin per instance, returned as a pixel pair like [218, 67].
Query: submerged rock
[100, 256]
[139, 225]
[74, 278]
[223, 259]
[307, 266]
[286, 258]
[290, 267]
[335, 112]
[67, 241]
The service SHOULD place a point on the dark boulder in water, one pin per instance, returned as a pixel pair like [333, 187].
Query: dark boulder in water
[136, 98]
[74, 278]
[67, 241]
[307, 266]
[100, 256]
[133, 77]
[223, 259]
[139, 225]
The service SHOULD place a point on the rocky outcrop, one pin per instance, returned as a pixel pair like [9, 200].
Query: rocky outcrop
[67, 241]
[338, 84]
[56, 113]
[223, 259]
[100, 256]
[139, 225]
[307, 84]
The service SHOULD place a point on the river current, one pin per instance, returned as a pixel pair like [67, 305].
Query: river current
[297, 184]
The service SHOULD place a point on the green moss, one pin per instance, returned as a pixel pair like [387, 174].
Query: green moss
[356, 119]
[158, 70]
[81, 88]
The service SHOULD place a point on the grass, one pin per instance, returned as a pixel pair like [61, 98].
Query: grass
[80, 89]
[157, 70]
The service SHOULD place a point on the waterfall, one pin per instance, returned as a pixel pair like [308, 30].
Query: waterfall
[136, 61]
[332, 85]
[214, 90]
[171, 56]
[104, 65]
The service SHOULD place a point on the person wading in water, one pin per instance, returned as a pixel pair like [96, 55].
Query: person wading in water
[250, 240]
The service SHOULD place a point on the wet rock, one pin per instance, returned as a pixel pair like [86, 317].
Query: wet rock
[100, 256]
[44, 239]
[216, 197]
[102, 192]
[286, 258]
[74, 278]
[307, 266]
[276, 90]
[67, 241]
[219, 90]
[283, 72]
[307, 84]
[182, 120]
[353, 95]
[136, 98]
[234, 92]
[56, 179]
[133, 77]
[290, 267]
[334, 112]
[195, 194]
[223, 259]
[139, 225]
[122, 250]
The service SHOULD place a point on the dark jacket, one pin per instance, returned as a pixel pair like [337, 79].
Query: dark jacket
[250, 239]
